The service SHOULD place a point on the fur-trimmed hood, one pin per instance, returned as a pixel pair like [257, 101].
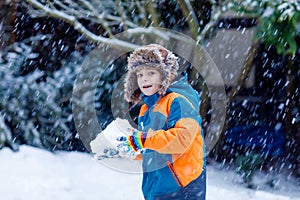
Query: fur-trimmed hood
[154, 56]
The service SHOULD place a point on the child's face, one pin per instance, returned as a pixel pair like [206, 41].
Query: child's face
[149, 80]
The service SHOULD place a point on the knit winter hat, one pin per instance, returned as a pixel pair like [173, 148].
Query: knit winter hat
[154, 56]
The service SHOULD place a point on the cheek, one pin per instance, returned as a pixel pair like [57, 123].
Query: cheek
[159, 79]
[138, 82]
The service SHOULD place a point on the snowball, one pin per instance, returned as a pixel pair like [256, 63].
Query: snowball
[107, 139]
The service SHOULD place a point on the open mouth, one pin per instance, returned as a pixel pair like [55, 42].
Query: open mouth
[147, 86]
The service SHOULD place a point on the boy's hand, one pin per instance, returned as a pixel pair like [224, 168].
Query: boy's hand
[132, 144]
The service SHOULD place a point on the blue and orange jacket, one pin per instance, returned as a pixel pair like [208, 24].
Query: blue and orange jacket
[174, 152]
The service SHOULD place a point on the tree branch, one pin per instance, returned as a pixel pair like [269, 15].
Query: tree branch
[215, 17]
[244, 73]
[98, 16]
[79, 27]
[153, 14]
[142, 11]
[217, 11]
[121, 13]
[114, 42]
[190, 16]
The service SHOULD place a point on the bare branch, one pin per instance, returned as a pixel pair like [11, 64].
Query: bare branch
[217, 11]
[82, 12]
[99, 12]
[95, 12]
[142, 11]
[244, 73]
[153, 14]
[62, 5]
[190, 16]
[78, 26]
[121, 13]
[119, 20]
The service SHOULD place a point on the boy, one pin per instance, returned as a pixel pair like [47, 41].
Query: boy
[169, 138]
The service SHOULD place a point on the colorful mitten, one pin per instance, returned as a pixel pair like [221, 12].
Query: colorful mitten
[133, 143]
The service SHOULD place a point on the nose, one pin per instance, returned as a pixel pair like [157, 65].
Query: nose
[145, 78]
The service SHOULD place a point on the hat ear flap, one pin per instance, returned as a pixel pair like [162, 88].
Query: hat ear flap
[132, 91]
[165, 83]
[172, 63]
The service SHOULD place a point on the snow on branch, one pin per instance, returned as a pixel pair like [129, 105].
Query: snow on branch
[217, 10]
[117, 14]
[72, 12]
[79, 27]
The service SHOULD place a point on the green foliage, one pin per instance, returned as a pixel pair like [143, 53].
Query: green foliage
[280, 28]
[278, 22]
[247, 165]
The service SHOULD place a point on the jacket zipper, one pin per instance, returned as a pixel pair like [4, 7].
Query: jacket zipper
[170, 165]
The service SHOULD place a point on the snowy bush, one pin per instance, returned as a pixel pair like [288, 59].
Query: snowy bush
[36, 108]
[5, 133]
[247, 165]
[278, 21]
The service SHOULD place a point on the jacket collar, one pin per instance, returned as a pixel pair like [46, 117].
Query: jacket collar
[150, 100]
[180, 86]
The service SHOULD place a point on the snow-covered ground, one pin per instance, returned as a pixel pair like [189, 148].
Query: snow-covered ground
[35, 174]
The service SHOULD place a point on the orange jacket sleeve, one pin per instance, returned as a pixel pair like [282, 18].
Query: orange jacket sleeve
[174, 140]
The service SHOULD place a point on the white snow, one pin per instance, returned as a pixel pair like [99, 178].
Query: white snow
[35, 174]
[107, 138]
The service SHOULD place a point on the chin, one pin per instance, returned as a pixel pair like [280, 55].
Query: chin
[149, 93]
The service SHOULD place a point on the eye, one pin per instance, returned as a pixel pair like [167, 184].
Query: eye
[139, 75]
[151, 73]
